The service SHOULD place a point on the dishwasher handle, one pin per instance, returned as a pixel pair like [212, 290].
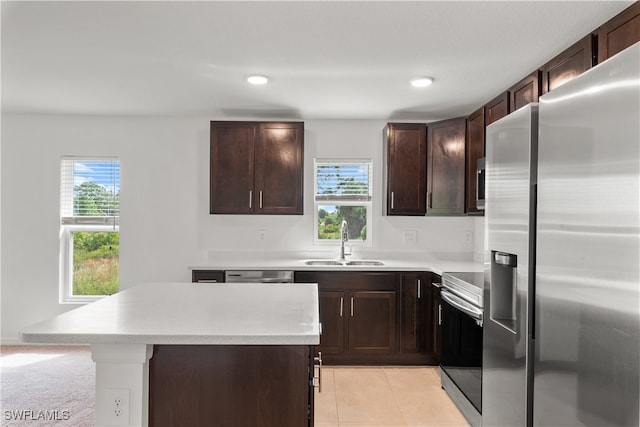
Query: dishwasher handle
[259, 276]
[275, 280]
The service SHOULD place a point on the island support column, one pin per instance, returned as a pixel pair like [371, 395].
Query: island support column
[122, 384]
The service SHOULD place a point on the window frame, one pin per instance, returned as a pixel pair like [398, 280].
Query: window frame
[367, 202]
[71, 224]
[66, 261]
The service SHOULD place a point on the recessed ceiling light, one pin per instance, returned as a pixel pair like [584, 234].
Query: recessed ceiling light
[257, 80]
[422, 82]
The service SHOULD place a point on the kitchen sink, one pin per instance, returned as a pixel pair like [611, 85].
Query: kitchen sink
[334, 262]
[323, 262]
[364, 263]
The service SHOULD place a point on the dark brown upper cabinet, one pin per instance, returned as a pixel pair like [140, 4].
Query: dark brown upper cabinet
[256, 167]
[446, 167]
[406, 168]
[569, 64]
[497, 108]
[619, 33]
[475, 151]
[525, 91]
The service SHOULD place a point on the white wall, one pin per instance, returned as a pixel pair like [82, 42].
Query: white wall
[165, 224]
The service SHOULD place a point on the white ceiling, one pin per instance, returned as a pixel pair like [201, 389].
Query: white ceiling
[326, 59]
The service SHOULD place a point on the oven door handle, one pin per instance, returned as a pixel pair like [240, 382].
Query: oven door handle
[462, 305]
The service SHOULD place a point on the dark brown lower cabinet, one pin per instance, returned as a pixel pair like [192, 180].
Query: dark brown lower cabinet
[374, 317]
[436, 313]
[358, 314]
[416, 332]
[360, 322]
[231, 386]
[372, 322]
[332, 319]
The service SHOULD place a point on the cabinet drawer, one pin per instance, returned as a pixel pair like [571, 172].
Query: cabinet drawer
[351, 280]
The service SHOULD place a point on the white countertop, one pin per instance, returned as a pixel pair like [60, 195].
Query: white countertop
[191, 313]
[296, 262]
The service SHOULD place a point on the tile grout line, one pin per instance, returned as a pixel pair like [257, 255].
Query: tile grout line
[395, 398]
[335, 395]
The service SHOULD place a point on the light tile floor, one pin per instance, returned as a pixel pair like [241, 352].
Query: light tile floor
[384, 396]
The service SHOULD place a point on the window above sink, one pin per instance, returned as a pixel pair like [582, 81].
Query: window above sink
[342, 191]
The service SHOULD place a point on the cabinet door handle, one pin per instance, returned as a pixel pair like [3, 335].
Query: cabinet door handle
[317, 361]
[207, 281]
[419, 296]
[439, 314]
[260, 199]
[351, 306]
[341, 304]
[392, 200]
[250, 198]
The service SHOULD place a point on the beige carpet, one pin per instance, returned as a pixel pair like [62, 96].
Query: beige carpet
[47, 386]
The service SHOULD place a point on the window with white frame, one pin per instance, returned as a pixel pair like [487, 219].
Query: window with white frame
[342, 191]
[89, 228]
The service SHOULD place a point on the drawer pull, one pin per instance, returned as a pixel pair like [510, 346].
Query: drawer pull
[317, 361]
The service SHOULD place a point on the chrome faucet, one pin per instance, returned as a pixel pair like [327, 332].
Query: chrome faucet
[344, 233]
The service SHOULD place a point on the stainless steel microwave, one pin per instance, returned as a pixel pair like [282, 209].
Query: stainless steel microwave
[480, 196]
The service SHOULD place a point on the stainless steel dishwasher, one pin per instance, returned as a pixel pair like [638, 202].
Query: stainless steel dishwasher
[258, 276]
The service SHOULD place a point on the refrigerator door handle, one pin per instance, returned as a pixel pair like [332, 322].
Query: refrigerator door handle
[462, 305]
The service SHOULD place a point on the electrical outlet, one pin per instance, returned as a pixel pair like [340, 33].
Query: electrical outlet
[410, 238]
[468, 238]
[118, 406]
[262, 236]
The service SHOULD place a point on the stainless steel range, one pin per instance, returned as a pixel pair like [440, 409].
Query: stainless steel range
[461, 359]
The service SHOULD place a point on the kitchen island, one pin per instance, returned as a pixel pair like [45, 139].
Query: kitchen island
[236, 345]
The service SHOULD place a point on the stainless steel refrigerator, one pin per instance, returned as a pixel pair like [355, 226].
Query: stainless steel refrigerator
[562, 277]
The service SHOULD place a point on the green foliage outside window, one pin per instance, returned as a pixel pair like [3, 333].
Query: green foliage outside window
[92, 199]
[95, 253]
[330, 221]
[95, 262]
